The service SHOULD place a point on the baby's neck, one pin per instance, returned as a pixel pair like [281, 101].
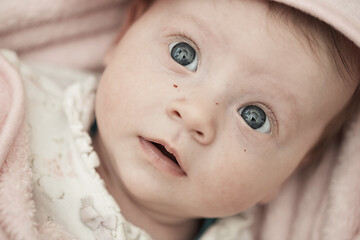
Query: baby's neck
[158, 226]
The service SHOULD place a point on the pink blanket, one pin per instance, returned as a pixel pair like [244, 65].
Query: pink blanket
[72, 33]
[318, 203]
[16, 204]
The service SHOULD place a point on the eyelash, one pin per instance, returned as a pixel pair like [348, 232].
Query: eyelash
[186, 38]
[269, 113]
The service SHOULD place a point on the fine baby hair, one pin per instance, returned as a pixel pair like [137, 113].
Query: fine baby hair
[342, 58]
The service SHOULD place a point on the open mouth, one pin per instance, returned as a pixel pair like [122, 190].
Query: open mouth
[165, 152]
[162, 157]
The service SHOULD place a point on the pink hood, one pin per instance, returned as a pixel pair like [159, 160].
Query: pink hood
[343, 15]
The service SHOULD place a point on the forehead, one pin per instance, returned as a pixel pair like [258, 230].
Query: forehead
[228, 21]
[209, 15]
[246, 42]
[241, 30]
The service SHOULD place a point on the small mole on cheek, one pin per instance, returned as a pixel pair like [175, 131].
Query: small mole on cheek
[217, 103]
[245, 150]
[175, 86]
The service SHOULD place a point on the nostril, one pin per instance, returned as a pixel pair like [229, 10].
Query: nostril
[193, 118]
[177, 114]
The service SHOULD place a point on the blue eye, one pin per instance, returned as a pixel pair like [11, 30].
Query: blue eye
[184, 54]
[256, 118]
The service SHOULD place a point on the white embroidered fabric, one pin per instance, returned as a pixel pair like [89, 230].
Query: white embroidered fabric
[67, 189]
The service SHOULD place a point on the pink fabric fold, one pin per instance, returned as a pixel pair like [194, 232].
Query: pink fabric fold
[16, 205]
[11, 106]
[341, 14]
[73, 33]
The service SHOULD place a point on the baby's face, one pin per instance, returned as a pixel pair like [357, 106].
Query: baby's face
[233, 94]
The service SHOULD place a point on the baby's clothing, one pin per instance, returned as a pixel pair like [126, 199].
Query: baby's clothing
[67, 189]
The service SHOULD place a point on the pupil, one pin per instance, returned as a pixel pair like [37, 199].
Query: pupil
[254, 116]
[183, 53]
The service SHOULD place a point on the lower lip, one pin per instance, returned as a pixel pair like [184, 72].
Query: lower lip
[159, 160]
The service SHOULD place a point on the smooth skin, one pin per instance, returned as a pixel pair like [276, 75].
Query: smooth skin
[244, 58]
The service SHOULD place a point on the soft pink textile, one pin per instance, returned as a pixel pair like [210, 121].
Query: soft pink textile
[16, 204]
[319, 203]
[344, 15]
[72, 33]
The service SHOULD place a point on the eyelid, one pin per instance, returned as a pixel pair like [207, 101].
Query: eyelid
[269, 113]
[186, 38]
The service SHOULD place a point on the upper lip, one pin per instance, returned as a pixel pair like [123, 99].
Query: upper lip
[168, 148]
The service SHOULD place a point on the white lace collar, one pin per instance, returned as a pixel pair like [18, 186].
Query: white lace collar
[79, 108]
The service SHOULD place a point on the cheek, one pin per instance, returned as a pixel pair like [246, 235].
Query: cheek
[124, 94]
[118, 87]
[241, 179]
[231, 184]
[111, 103]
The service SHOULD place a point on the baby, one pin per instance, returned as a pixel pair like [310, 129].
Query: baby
[204, 110]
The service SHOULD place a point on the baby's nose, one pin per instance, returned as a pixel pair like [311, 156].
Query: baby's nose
[196, 116]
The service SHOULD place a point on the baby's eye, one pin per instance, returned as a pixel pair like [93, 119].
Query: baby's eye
[184, 54]
[256, 118]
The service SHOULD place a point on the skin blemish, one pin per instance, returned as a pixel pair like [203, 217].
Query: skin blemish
[245, 150]
[217, 103]
[175, 86]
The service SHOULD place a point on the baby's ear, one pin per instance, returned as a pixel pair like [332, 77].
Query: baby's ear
[134, 11]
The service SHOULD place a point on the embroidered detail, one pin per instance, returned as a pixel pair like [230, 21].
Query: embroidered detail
[102, 226]
[78, 106]
[49, 187]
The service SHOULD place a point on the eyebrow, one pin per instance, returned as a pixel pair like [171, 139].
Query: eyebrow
[200, 24]
[289, 103]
